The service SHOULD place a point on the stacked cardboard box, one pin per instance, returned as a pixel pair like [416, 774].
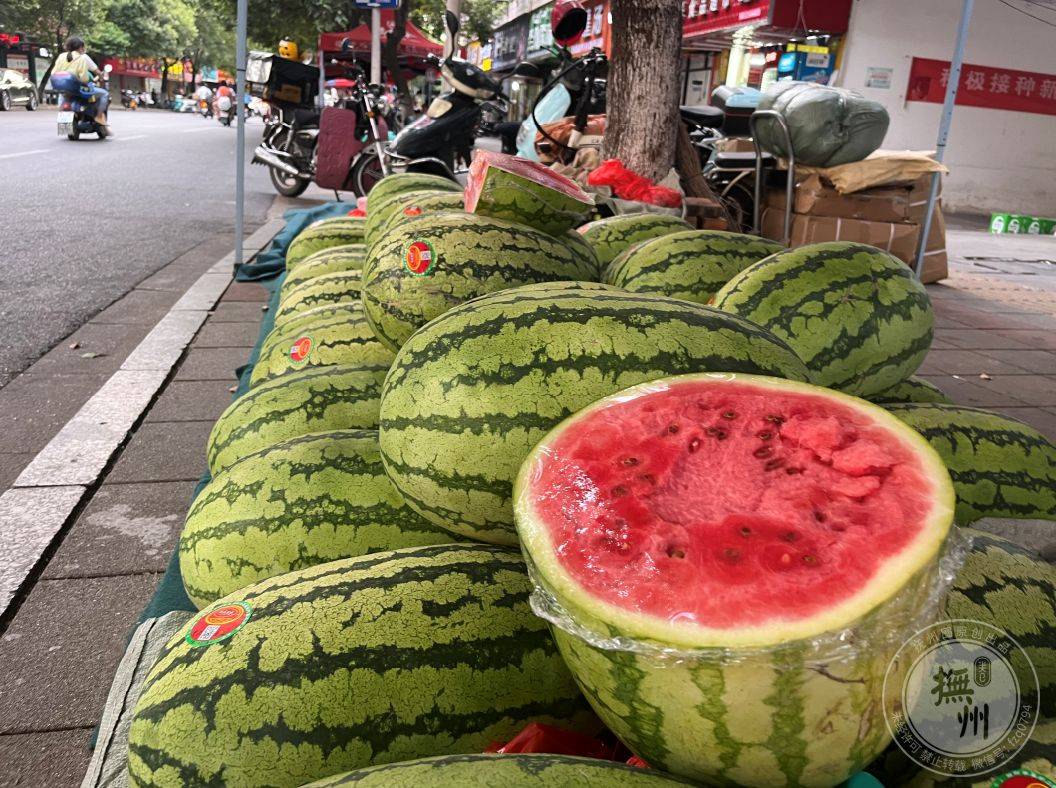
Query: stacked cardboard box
[889, 217]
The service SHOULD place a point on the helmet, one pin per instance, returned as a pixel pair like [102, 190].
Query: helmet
[568, 21]
[288, 49]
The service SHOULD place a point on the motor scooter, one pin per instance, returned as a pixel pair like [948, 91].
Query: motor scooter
[225, 110]
[129, 100]
[78, 105]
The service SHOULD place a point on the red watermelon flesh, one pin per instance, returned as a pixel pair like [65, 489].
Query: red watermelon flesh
[733, 502]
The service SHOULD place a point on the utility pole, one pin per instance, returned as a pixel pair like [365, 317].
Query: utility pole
[375, 45]
[240, 137]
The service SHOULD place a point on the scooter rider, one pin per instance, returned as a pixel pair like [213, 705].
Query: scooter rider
[222, 90]
[74, 61]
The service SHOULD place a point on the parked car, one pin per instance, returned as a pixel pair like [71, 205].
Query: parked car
[16, 90]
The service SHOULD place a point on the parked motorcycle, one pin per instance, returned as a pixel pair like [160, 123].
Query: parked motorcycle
[129, 100]
[78, 106]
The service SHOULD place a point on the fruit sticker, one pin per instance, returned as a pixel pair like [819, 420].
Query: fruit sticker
[220, 624]
[420, 259]
[300, 349]
[1023, 778]
[412, 210]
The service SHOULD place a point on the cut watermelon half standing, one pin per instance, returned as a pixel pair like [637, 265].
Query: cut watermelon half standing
[739, 520]
[509, 187]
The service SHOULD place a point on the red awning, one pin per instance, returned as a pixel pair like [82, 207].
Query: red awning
[414, 43]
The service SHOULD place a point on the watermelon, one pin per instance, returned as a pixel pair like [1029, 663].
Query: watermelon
[326, 289]
[691, 264]
[472, 392]
[1014, 589]
[501, 186]
[615, 234]
[400, 182]
[425, 267]
[912, 389]
[336, 259]
[855, 314]
[325, 311]
[1001, 467]
[316, 399]
[406, 205]
[337, 231]
[535, 770]
[440, 202]
[345, 338]
[583, 250]
[295, 504]
[740, 524]
[382, 658]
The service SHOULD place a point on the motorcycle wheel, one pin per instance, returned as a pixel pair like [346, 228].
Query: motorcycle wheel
[74, 135]
[287, 185]
[366, 172]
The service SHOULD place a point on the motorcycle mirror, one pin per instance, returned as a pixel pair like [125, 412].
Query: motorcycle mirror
[451, 23]
[568, 21]
[108, 68]
[526, 69]
[346, 44]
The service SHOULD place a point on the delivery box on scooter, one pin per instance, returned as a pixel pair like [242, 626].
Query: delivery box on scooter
[281, 81]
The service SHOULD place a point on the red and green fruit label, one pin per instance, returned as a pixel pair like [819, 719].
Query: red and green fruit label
[1023, 778]
[420, 259]
[220, 624]
[300, 349]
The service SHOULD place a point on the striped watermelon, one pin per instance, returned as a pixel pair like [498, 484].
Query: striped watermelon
[382, 658]
[337, 231]
[414, 206]
[433, 263]
[501, 186]
[912, 389]
[317, 399]
[503, 771]
[856, 315]
[740, 525]
[615, 234]
[471, 393]
[393, 207]
[691, 264]
[316, 313]
[345, 338]
[334, 260]
[400, 182]
[326, 289]
[295, 504]
[583, 250]
[1001, 467]
[1014, 589]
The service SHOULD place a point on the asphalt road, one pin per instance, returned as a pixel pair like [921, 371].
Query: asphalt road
[82, 222]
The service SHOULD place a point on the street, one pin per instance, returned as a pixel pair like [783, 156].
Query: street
[83, 222]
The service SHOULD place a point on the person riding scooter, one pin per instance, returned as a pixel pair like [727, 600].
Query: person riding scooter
[224, 103]
[75, 64]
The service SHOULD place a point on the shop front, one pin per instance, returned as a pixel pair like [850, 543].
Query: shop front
[18, 53]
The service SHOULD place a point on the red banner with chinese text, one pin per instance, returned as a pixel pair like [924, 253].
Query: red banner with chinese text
[983, 86]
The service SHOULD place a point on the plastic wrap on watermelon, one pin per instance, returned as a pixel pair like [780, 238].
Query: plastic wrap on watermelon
[720, 554]
[509, 187]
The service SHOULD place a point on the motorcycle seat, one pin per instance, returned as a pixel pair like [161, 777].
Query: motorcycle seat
[741, 160]
[708, 117]
[305, 117]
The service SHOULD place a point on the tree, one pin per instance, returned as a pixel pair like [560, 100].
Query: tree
[478, 18]
[643, 85]
[52, 21]
[390, 51]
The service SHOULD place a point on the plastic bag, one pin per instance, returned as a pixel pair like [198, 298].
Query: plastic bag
[828, 126]
[631, 186]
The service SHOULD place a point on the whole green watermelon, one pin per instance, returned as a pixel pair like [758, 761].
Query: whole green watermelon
[401, 182]
[336, 231]
[333, 288]
[335, 259]
[406, 205]
[615, 234]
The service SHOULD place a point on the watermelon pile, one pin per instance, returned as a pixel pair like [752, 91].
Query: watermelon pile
[497, 465]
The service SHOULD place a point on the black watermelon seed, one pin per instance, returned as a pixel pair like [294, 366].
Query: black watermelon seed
[763, 451]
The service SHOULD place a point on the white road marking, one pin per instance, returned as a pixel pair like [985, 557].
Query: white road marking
[22, 153]
[193, 131]
[133, 137]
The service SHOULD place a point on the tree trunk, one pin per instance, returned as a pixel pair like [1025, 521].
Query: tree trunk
[643, 86]
[164, 78]
[390, 51]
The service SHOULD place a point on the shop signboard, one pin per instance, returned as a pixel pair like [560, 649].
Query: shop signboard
[710, 16]
[18, 63]
[540, 36]
[596, 33]
[705, 17]
[878, 77]
[510, 44]
[983, 86]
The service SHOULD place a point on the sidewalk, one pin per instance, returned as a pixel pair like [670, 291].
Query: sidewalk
[65, 632]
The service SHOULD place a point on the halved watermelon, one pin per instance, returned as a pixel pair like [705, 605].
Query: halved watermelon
[509, 187]
[742, 519]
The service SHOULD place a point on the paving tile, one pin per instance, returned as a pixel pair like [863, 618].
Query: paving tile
[34, 407]
[243, 335]
[1039, 362]
[982, 339]
[986, 320]
[107, 344]
[124, 529]
[237, 312]
[245, 291]
[56, 759]
[205, 291]
[164, 452]
[138, 307]
[1039, 418]
[176, 277]
[60, 652]
[191, 400]
[212, 364]
[1035, 534]
[968, 362]
[972, 393]
[1035, 338]
[1034, 390]
[163, 345]
[11, 465]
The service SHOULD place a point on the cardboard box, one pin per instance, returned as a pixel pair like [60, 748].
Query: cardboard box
[898, 238]
[813, 197]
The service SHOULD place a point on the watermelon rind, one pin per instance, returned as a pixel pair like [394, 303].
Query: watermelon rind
[407, 182]
[473, 391]
[855, 314]
[391, 210]
[323, 234]
[317, 399]
[692, 264]
[326, 261]
[614, 234]
[522, 770]
[470, 256]
[912, 389]
[383, 658]
[333, 288]
[1000, 466]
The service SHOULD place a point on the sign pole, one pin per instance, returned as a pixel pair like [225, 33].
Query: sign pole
[375, 45]
[952, 83]
[240, 139]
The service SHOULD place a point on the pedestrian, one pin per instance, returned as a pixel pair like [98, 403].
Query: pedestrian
[153, 96]
[76, 62]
